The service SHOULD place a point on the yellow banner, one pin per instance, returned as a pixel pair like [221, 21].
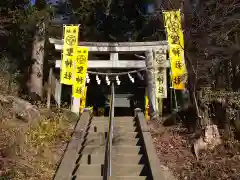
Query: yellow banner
[178, 81]
[70, 36]
[176, 51]
[69, 46]
[67, 70]
[178, 67]
[81, 64]
[83, 100]
[174, 28]
[176, 55]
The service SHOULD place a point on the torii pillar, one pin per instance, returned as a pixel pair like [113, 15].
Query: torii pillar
[151, 84]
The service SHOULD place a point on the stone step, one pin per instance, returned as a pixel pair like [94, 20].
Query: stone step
[119, 119]
[89, 178]
[115, 135]
[115, 129]
[126, 159]
[127, 170]
[99, 138]
[94, 142]
[91, 159]
[95, 134]
[116, 123]
[102, 124]
[130, 178]
[100, 118]
[125, 141]
[113, 178]
[116, 141]
[117, 170]
[125, 135]
[115, 149]
[124, 118]
[117, 159]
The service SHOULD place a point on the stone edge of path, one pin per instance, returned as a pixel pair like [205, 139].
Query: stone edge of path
[159, 171]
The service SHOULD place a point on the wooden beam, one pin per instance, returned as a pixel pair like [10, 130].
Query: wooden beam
[113, 44]
[115, 64]
[164, 48]
[117, 46]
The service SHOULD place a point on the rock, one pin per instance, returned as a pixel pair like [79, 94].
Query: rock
[212, 136]
[167, 173]
[209, 140]
[4, 99]
[25, 110]
[21, 108]
[199, 144]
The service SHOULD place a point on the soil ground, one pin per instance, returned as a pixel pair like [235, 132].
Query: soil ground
[173, 145]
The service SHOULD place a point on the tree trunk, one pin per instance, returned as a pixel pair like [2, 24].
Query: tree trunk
[36, 75]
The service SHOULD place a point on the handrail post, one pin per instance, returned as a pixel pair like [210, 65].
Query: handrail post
[136, 111]
[108, 150]
[111, 131]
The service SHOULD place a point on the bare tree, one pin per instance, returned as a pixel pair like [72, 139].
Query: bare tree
[212, 29]
[36, 75]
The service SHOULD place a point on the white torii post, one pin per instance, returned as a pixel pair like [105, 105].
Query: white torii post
[150, 84]
[76, 102]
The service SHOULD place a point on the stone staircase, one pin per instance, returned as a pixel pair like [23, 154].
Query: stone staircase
[128, 158]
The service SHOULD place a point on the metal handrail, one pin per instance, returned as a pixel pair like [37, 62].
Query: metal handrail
[108, 151]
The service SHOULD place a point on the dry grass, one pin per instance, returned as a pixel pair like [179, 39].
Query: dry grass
[32, 151]
[7, 84]
[29, 151]
[47, 132]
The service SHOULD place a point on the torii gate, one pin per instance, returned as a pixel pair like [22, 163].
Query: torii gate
[151, 50]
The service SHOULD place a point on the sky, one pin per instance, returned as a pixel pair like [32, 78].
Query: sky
[52, 1]
[33, 1]
[59, 18]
